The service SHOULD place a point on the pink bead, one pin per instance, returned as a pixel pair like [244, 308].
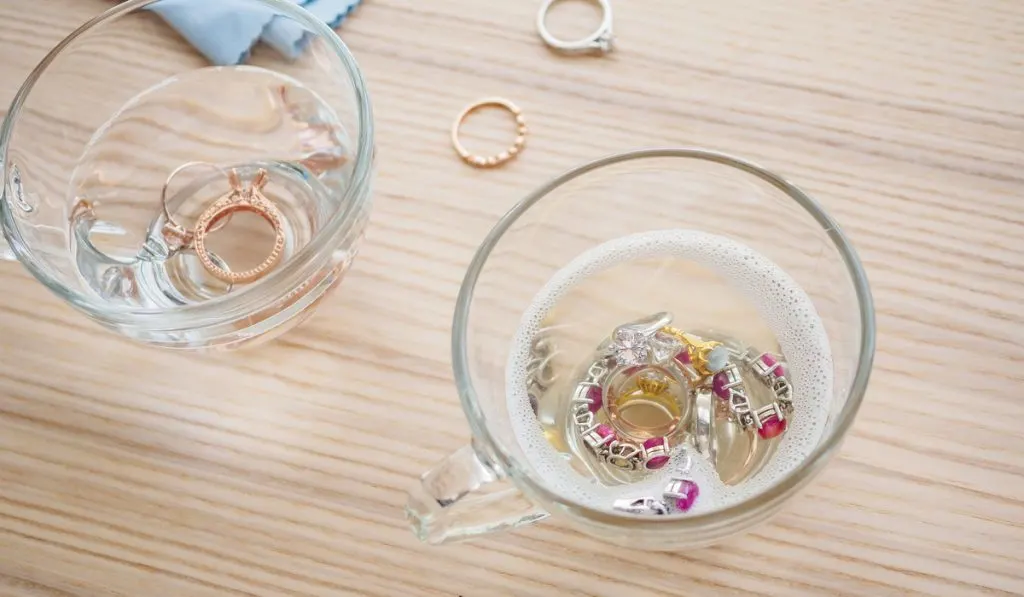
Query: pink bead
[654, 442]
[772, 427]
[718, 385]
[595, 395]
[683, 357]
[690, 491]
[605, 431]
[769, 360]
[658, 461]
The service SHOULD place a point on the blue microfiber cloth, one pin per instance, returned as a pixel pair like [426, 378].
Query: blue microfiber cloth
[226, 30]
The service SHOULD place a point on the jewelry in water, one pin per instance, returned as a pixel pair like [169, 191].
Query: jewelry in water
[668, 412]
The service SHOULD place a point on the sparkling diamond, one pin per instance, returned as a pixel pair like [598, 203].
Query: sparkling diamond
[630, 348]
[664, 347]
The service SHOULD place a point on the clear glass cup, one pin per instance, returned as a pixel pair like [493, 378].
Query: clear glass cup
[107, 124]
[490, 485]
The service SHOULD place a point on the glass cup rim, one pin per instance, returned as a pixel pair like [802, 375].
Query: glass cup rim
[338, 226]
[774, 494]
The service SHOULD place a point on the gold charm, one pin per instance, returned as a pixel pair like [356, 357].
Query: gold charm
[707, 356]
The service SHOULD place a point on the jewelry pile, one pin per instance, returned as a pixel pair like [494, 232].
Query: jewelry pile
[648, 391]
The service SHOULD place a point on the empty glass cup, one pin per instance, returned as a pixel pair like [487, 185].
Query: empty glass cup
[124, 135]
[494, 484]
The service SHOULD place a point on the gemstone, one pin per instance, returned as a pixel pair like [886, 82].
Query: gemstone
[664, 347]
[594, 394]
[772, 426]
[718, 385]
[659, 460]
[605, 431]
[630, 348]
[718, 358]
[769, 361]
[684, 357]
[654, 442]
[689, 491]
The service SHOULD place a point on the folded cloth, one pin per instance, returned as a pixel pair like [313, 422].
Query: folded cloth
[226, 30]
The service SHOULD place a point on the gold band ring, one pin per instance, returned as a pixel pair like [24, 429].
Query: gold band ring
[495, 160]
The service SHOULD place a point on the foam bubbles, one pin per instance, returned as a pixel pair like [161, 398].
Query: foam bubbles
[783, 305]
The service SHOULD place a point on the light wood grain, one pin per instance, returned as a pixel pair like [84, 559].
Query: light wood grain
[122, 473]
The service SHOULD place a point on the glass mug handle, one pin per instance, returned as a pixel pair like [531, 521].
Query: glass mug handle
[6, 254]
[465, 495]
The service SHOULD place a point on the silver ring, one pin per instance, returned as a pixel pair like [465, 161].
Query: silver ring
[633, 343]
[704, 439]
[600, 40]
[647, 326]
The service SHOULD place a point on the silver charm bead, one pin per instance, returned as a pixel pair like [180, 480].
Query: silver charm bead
[645, 506]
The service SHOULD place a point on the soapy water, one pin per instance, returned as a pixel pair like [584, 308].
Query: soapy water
[782, 306]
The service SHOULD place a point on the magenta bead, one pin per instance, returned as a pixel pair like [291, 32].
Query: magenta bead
[605, 431]
[595, 395]
[690, 491]
[769, 360]
[718, 385]
[660, 460]
[772, 427]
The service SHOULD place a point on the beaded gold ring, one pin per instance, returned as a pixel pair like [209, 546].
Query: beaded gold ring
[514, 150]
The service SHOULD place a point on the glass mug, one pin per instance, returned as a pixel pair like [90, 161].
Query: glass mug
[490, 485]
[124, 134]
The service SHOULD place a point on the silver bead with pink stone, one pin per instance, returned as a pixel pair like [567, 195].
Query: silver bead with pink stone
[679, 495]
[770, 420]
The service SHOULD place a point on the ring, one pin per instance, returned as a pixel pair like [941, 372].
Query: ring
[633, 402]
[494, 160]
[703, 431]
[636, 343]
[647, 326]
[707, 357]
[239, 199]
[600, 40]
[770, 420]
[172, 228]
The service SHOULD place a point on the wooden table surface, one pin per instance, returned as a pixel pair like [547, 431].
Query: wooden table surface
[136, 472]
